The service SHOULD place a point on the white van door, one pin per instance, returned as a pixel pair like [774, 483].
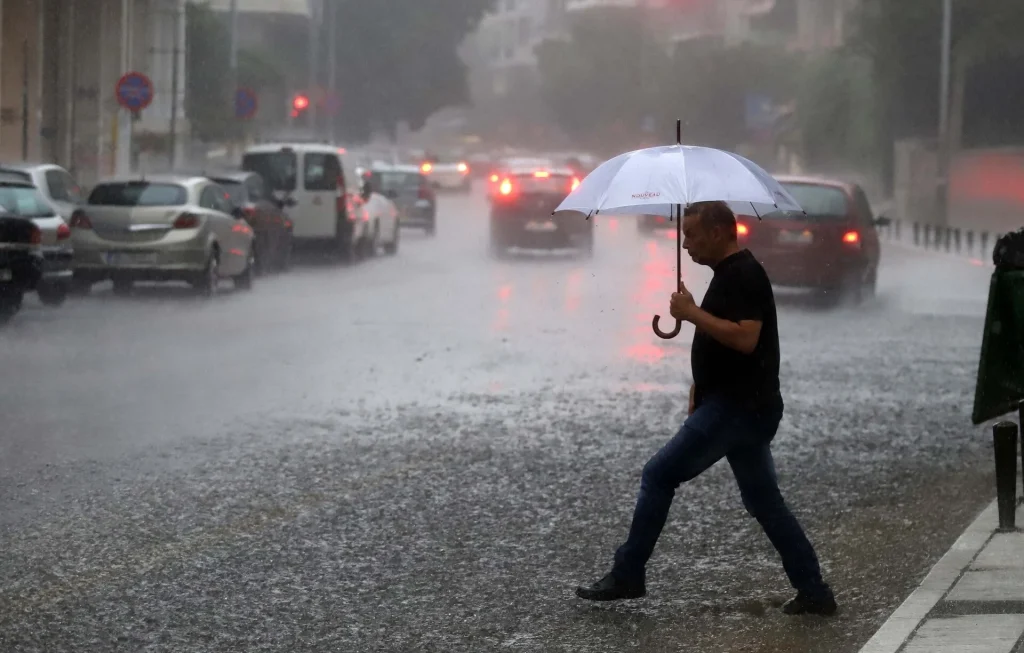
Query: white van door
[316, 209]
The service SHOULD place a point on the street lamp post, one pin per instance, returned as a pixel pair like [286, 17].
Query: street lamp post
[944, 154]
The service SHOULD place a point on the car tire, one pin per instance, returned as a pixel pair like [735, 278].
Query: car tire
[372, 244]
[392, 248]
[346, 244]
[10, 304]
[205, 283]
[245, 280]
[52, 294]
[122, 287]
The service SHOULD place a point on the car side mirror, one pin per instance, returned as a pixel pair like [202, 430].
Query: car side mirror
[391, 194]
[366, 190]
[238, 212]
[883, 221]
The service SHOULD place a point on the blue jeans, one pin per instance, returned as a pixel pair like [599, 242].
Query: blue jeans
[720, 429]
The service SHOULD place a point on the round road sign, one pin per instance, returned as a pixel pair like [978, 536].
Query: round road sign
[134, 91]
[246, 103]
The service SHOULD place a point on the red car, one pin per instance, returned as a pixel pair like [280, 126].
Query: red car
[834, 247]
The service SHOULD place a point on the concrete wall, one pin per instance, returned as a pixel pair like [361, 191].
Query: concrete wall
[20, 74]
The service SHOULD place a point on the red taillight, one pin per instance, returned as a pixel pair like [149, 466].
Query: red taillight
[742, 229]
[79, 220]
[63, 232]
[249, 211]
[36, 236]
[187, 221]
[506, 187]
[494, 179]
[575, 184]
[851, 238]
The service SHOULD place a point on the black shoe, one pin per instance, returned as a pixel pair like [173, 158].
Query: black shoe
[804, 603]
[611, 588]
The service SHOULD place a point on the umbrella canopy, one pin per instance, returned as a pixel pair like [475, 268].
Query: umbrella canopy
[655, 180]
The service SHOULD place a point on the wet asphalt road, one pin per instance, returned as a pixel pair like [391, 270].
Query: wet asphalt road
[428, 453]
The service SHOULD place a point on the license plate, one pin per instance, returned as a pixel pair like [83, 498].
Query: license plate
[796, 237]
[131, 258]
[547, 225]
[6, 275]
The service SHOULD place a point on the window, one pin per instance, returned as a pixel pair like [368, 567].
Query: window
[278, 169]
[237, 191]
[321, 171]
[23, 202]
[255, 187]
[860, 200]
[818, 201]
[396, 181]
[62, 186]
[138, 193]
[215, 197]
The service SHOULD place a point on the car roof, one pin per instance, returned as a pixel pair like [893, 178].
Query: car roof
[11, 179]
[319, 148]
[815, 181]
[529, 170]
[165, 178]
[398, 167]
[27, 166]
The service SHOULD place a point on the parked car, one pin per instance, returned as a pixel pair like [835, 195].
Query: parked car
[521, 212]
[329, 208]
[20, 197]
[265, 214]
[383, 215]
[162, 228]
[412, 193]
[21, 262]
[832, 247]
[56, 184]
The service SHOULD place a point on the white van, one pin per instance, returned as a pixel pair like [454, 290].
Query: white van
[325, 205]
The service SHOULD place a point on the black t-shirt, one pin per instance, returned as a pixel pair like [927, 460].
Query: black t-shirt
[740, 290]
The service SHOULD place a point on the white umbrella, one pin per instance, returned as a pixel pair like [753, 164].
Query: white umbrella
[662, 180]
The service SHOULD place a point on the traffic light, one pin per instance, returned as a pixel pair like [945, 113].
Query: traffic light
[299, 104]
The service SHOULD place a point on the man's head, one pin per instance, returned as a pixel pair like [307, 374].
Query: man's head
[709, 232]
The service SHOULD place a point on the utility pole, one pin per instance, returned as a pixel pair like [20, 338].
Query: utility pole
[172, 130]
[314, 51]
[232, 76]
[944, 154]
[332, 70]
[24, 100]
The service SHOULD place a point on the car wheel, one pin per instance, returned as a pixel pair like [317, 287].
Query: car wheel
[851, 290]
[10, 304]
[206, 281]
[122, 287]
[52, 294]
[392, 248]
[347, 246]
[372, 244]
[244, 281]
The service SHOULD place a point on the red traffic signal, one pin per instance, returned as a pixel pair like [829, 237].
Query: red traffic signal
[300, 102]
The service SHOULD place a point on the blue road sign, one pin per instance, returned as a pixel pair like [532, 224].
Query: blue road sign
[246, 103]
[134, 91]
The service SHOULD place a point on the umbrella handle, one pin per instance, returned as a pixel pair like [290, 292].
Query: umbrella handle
[662, 334]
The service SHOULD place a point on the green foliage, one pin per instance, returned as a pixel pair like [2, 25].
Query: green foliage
[836, 110]
[398, 61]
[206, 72]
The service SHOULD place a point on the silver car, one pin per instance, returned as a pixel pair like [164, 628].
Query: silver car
[60, 191]
[161, 228]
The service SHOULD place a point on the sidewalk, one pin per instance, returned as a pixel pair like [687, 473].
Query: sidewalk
[972, 600]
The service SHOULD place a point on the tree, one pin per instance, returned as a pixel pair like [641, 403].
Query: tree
[606, 79]
[397, 60]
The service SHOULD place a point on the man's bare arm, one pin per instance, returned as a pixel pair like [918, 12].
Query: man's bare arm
[741, 336]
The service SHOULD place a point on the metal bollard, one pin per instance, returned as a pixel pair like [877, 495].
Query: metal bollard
[917, 234]
[1020, 411]
[984, 245]
[927, 235]
[970, 242]
[947, 238]
[956, 239]
[1004, 438]
[898, 222]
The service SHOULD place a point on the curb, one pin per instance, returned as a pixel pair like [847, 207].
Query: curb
[902, 624]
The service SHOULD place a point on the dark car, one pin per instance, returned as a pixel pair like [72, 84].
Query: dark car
[832, 247]
[265, 214]
[21, 262]
[21, 198]
[412, 193]
[521, 207]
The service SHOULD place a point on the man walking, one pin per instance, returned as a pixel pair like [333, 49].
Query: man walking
[735, 410]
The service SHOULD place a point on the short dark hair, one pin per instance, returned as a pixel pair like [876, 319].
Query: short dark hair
[714, 214]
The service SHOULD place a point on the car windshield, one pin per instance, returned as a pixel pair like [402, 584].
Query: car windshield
[24, 202]
[817, 200]
[236, 191]
[278, 169]
[138, 193]
[395, 181]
